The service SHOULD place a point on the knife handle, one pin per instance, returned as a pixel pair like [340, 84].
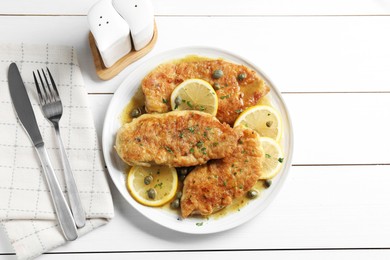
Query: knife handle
[61, 207]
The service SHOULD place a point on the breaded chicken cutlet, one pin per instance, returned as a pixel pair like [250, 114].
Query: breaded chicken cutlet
[213, 186]
[175, 139]
[238, 87]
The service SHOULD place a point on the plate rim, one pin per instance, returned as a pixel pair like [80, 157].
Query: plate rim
[218, 51]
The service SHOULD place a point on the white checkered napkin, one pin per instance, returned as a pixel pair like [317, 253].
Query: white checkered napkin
[26, 210]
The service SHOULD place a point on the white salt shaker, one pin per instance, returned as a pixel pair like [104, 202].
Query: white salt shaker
[110, 31]
[139, 15]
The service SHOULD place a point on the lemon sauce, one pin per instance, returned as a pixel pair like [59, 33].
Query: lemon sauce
[138, 101]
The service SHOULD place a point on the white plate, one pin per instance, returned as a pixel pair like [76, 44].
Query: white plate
[164, 217]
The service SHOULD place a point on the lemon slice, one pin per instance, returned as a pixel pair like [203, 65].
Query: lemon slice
[263, 119]
[152, 186]
[195, 94]
[273, 158]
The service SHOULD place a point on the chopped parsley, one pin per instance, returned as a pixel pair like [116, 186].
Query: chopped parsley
[280, 160]
[164, 101]
[227, 96]
[159, 185]
[267, 156]
[199, 224]
[168, 149]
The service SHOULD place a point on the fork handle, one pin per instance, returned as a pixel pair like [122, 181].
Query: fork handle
[73, 193]
[62, 210]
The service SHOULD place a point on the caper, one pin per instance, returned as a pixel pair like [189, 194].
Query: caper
[175, 204]
[183, 170]
[216, 86]
[151, 193]
[269, 123]
[241, 76]
[136, 112]
[179, 194]
[252, 194]
[148, 179]
[178, 101]
[217, 74]
[267, 183]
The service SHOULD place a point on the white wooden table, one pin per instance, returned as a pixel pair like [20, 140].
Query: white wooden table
[330, 59]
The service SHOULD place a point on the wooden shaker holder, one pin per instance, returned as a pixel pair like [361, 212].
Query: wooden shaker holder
[108, 73]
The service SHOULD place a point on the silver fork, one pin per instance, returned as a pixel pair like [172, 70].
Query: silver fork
[51, 106]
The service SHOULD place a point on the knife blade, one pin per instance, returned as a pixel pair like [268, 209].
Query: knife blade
[22, 104]
[25, 113]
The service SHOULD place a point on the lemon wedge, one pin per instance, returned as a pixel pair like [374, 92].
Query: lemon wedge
[265, 120]
[195, 94]
[152, 186]
[273, 158]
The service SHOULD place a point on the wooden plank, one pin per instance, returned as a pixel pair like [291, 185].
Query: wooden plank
[340, 128]
[216, 7]
[269, 255]
[314, 54]
[278, 7]
[318, 207]
[44, 7]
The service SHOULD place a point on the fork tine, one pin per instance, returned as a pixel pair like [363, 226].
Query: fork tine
[53, 83]
[49, 88]
[41, 100]
[46, 97]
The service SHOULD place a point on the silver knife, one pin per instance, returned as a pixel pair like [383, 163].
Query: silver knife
[25, 113]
